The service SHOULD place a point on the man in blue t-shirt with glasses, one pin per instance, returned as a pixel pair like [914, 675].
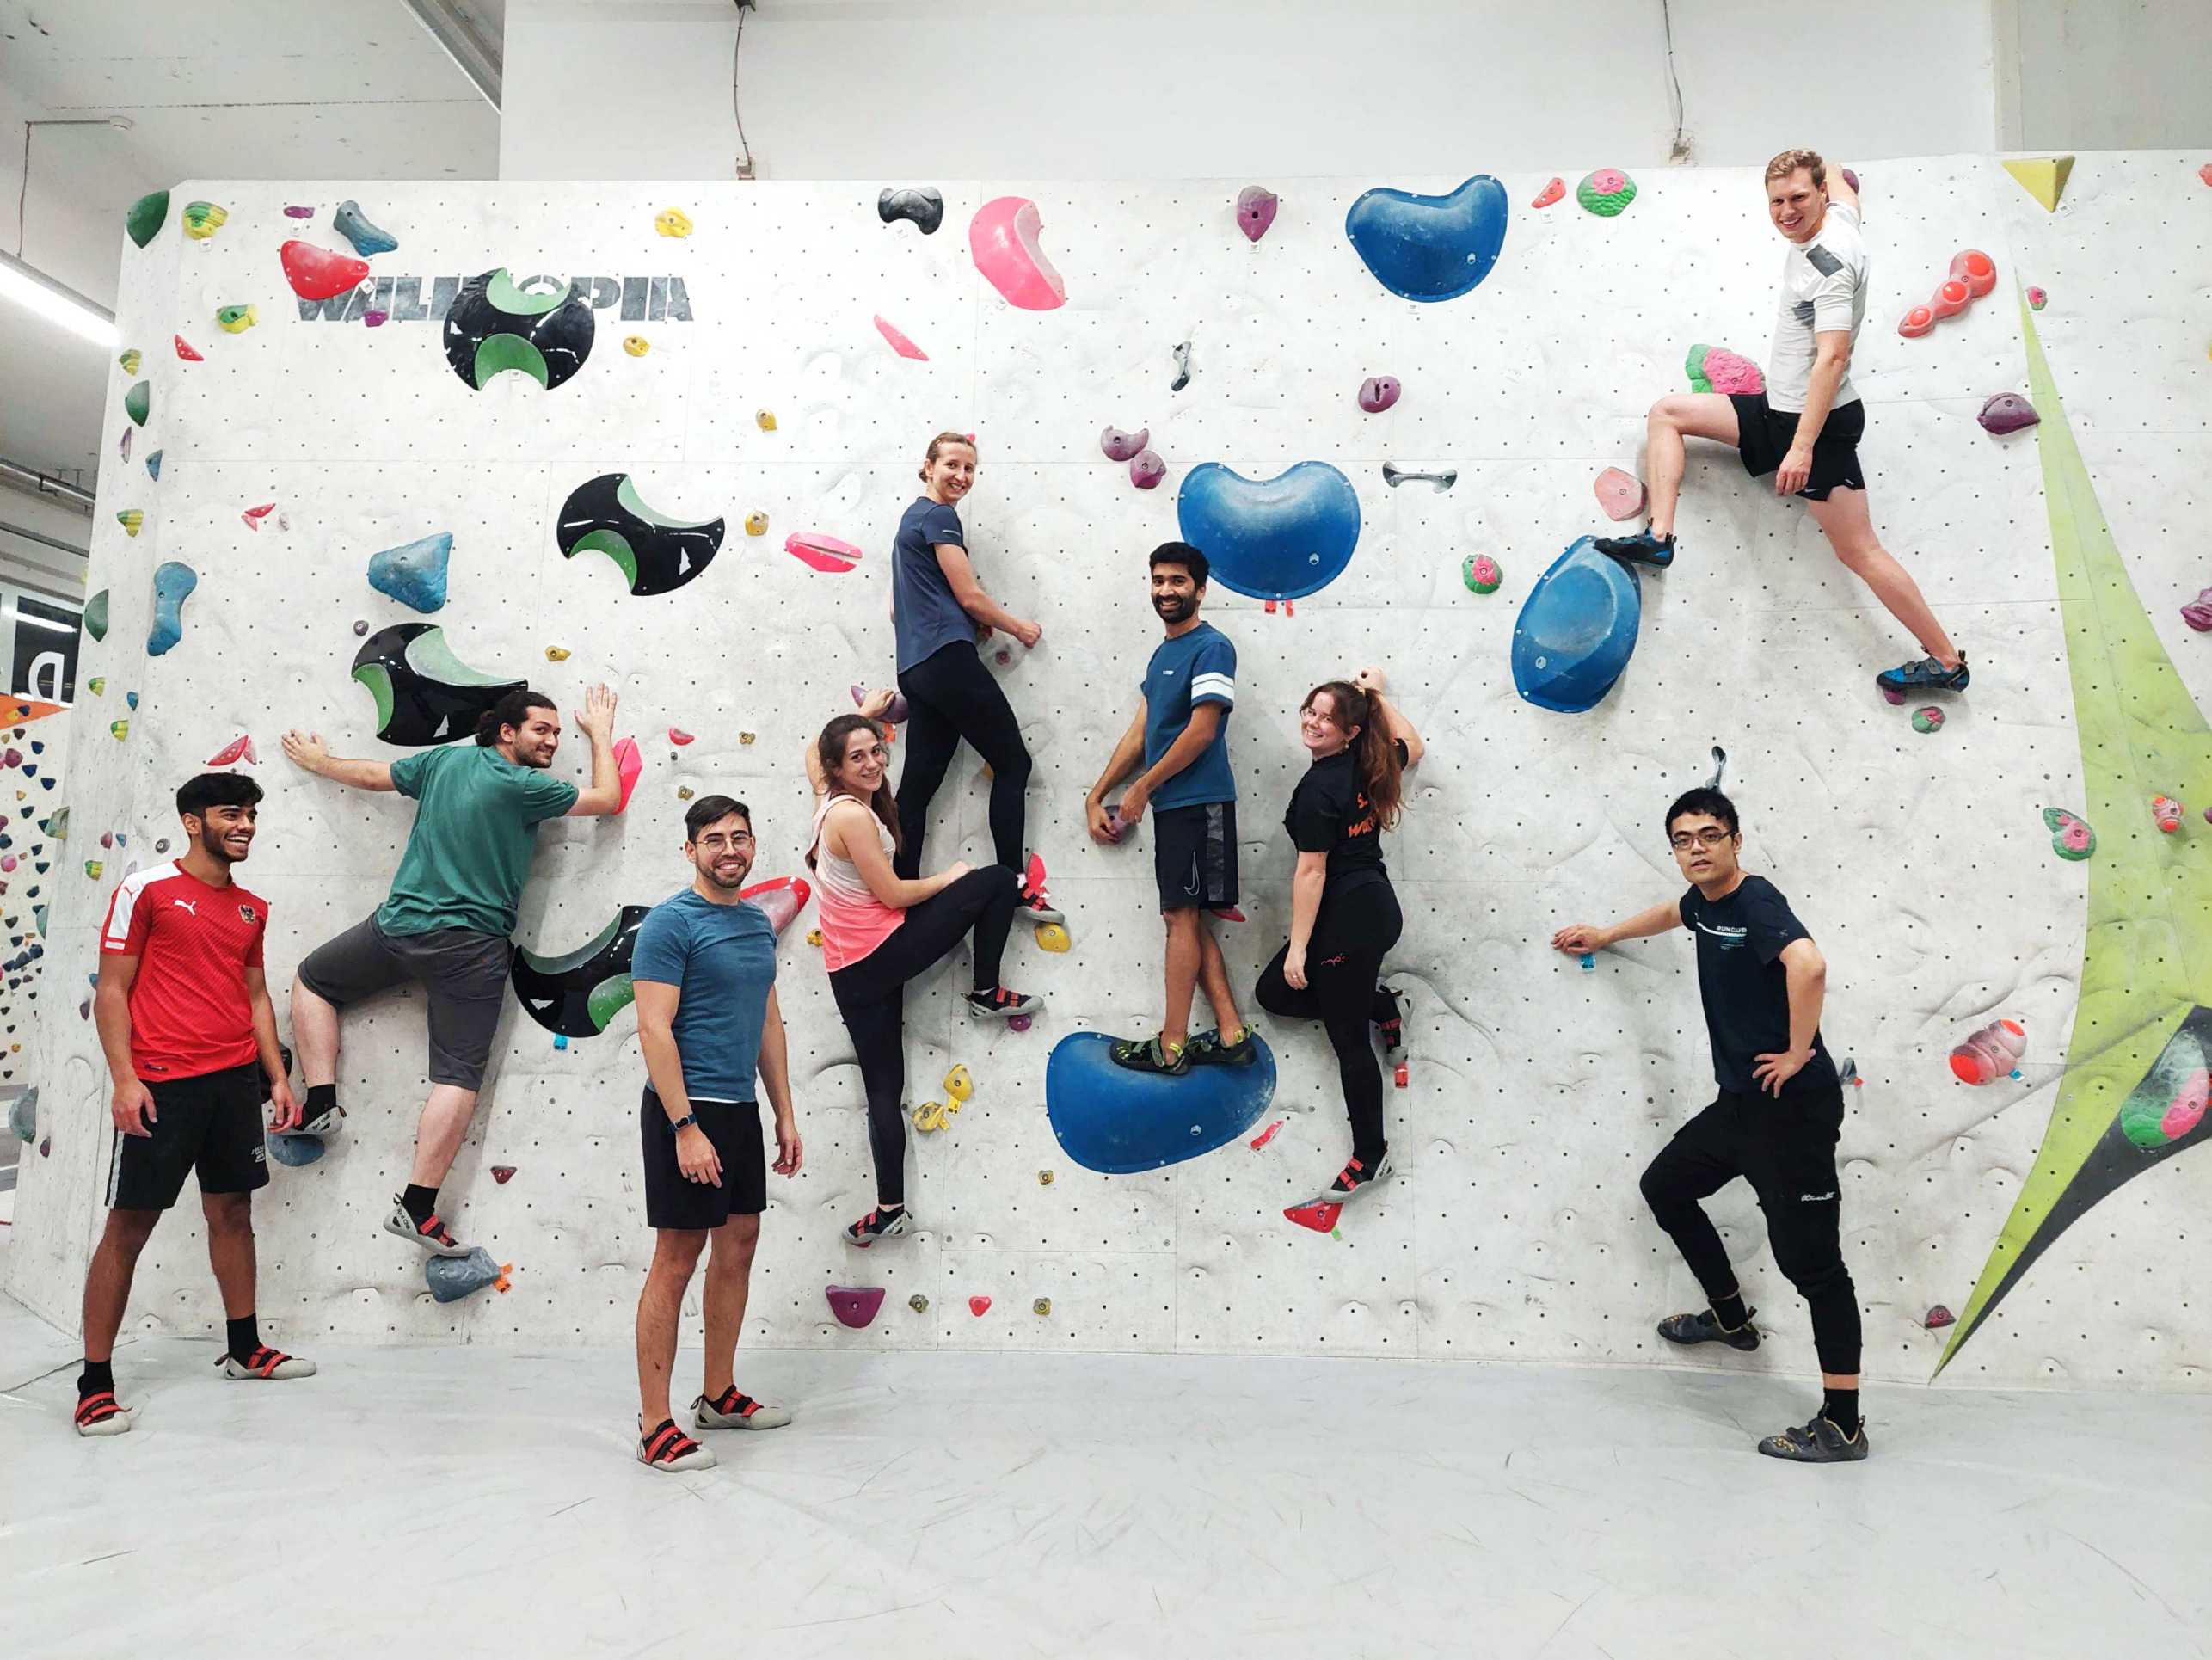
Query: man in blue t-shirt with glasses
[1180, 736]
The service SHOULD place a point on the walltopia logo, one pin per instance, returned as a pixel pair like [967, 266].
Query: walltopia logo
[635, 299]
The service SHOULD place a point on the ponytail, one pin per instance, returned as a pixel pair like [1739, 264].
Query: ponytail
[511, 709]
[930, 456]
[1374, 751]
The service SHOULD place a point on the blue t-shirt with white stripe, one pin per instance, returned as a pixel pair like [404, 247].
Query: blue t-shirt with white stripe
[1196, 667]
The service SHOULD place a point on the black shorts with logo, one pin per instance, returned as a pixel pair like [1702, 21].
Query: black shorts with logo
[1763, 436]
[1195, 855]
[672, 1199]
[209, 1125]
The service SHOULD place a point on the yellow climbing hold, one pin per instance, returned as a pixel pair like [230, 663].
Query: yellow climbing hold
[1052, 936]
[99, 684]
[92, 868]
[672, 222]
[929, 1117]
[745, 737]
[959, 1086]
[130, 518]
[203, 220]
[756, 524]
[1044, 1178]
[683, 792]
[636, 345]
[131, 360]
[236, 319]
[765, 419]
[556, 654]
[1042, 1308]
[119, 729]
[2044, 178]
[814, 937]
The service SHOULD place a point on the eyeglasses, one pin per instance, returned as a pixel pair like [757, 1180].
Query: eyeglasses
[1715, 837]
[742, 838]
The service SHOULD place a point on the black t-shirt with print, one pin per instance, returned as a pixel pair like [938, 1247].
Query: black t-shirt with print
[1744, 987]
[1328, 813]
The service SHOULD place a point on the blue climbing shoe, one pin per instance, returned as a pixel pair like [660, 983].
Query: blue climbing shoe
[1925, 676]
[1819, 1441]
[1641, 549]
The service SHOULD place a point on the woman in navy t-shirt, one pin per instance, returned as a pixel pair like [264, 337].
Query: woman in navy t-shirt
[1343, 912]
[938, 610]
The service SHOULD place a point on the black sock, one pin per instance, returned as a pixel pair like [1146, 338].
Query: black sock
[422, 1202]
[98, 1376]
[245, 1336]
[321, 1098]
[1730, 1311]
[1840, 1408]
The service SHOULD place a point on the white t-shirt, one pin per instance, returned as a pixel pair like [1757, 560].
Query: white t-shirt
[1823, 290]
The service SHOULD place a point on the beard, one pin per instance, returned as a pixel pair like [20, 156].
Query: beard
[1174, 608]
[212, 845]
[727, 884]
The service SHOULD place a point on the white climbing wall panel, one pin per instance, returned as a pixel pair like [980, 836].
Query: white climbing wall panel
[1538, 1091]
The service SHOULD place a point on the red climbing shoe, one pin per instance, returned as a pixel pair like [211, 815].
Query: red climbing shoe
[431, 1234]
[100, 1414]
[1356, 1178]
[737, 1410]
[876, 1224]
[1003, 1005]
[668, 1447]
[266, 1363]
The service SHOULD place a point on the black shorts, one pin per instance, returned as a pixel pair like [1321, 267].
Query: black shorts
[1195, 855]
[463, 975]
[674, 1200]
[1763, 436]
[210, 1125]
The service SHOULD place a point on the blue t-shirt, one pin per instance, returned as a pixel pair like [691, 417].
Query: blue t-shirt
[1193, 668]
[721, 959]
[924, 614]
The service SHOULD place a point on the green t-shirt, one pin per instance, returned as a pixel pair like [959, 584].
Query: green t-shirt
[468, 853]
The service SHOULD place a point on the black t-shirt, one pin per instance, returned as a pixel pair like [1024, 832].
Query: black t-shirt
[1744, 987]
[1328, 813]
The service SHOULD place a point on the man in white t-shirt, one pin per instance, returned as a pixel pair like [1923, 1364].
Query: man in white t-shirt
[1804, 427]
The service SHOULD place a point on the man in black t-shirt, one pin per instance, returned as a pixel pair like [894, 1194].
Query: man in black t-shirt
[1776, 1121]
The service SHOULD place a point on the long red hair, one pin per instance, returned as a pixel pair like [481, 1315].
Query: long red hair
[1374, 755]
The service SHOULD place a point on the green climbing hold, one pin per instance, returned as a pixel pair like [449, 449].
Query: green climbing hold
[131, 360]
[1927, 720]
[137, 401]
[95, 615]
[144, 217]
[1606, 191]
[1481, 573]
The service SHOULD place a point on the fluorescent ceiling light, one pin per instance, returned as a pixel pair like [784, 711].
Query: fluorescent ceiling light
[15, 616]
[41, 293]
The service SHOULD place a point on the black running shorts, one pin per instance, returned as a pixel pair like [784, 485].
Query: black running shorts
[672, 1199]
[1763, 436]
[1195, 855]
[209, 1125]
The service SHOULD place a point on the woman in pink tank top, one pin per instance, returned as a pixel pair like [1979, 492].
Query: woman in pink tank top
[880, 930]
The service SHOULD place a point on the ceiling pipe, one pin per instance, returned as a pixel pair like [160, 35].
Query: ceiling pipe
[30, 535]
[32, 482]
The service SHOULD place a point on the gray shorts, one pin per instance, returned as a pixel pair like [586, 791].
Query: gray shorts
[464, 972]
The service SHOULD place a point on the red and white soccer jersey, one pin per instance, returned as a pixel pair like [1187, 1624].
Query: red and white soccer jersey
[189, 1010]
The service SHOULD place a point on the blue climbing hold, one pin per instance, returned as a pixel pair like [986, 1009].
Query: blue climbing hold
[23, 1115]
[294, 1151]
[1429, 248]
[1577, 630]
[173, 586]
[452, 1278]
[154, 464]
[348, 223]
[414, 574]
[1273, 539]
[130, 697]
[1112, 1119]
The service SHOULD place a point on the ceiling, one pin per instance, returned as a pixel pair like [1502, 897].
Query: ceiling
[212, 89]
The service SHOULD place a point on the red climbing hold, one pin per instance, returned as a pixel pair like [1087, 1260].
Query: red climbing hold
[629, 764]
[1550, 193]
[1938, 1317]
[979, 1306]
[502, 1174]
[317, 273]
[253, 516]
[185, 350]
[1319, 1214]
[1975, 269]
[854, 1305]
[1268, 1134]
[240, 748]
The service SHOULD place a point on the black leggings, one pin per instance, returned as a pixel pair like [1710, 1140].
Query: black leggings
[1343, 960]
[951, 695]
[1785, 1149]
[872, 995]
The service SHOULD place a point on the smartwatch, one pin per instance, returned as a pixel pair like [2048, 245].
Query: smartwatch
[685, 1122]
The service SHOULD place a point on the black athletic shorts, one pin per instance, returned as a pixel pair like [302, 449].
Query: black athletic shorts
[1195, 855]
[1763, 436]
[672, 1199]
[463, 975]
[210, 1125]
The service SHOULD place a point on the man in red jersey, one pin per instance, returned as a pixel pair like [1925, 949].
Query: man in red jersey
[184, 1016]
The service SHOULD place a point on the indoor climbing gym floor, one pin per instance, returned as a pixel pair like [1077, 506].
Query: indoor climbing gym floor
[378, 450]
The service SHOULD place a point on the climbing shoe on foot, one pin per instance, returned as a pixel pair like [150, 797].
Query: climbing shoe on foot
[99, 1414]
[1151, 1055]
[1816, 1443]
[1356, 1178]
[668, 1447]
[430, 1233]
[1036, 906]
[1207, 1049]
[876, 1224]
[266, 1363]
[1389, 1020]
[325, 1124]
[1925, 676]
[1641, 549]
[737, 1410]
[1705, 1326]
[1002, 1004]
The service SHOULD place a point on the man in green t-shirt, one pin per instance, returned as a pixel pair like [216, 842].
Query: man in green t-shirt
[446, 924]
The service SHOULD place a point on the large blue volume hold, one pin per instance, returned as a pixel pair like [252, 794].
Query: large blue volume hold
[1271, 539]
[1429, 248]
[1577, 630]
[1111, 1119]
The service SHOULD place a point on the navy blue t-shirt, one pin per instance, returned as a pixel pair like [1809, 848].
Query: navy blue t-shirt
[1744, 987]
[1199, 666]
[924, 614]
[721, 959]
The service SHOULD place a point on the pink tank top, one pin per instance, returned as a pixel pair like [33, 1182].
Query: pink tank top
[854, 921]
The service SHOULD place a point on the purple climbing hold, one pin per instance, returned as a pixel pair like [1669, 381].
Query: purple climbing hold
[1124, 446]
[2007, 412]
[1255, 209]
[1938, 1318]
[854, 1305]
[1146, 470]
[296, 211]
[1378, 393]
[1850, 178]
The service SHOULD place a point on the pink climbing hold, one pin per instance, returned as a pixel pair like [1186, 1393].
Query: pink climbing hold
[1268, 1134]
[240, 748]
[1124, 446]
[1319, 1214]
[819, 552]
[1977, 270]
[1973, 273]
[854, 1305]
[1255, 211]
[317, 273]
[253, 516]
[1717, 369]
[295, 210]
[979, 1306]
[1620, 494]
[629, 763]
[1938, 1318]
[502, 1174]
[904, 346]
[2007, 412]
[185, 350]
[2166, 812]
[781, 897]
[2186, 1110]
[1378, 393]
[1002, 240]
[677, 736]
[1990, 1053]
[1146, 470]
[1555, 191]
[2197, 613]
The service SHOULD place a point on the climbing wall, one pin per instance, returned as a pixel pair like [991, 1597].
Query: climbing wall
[1537, 1090]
